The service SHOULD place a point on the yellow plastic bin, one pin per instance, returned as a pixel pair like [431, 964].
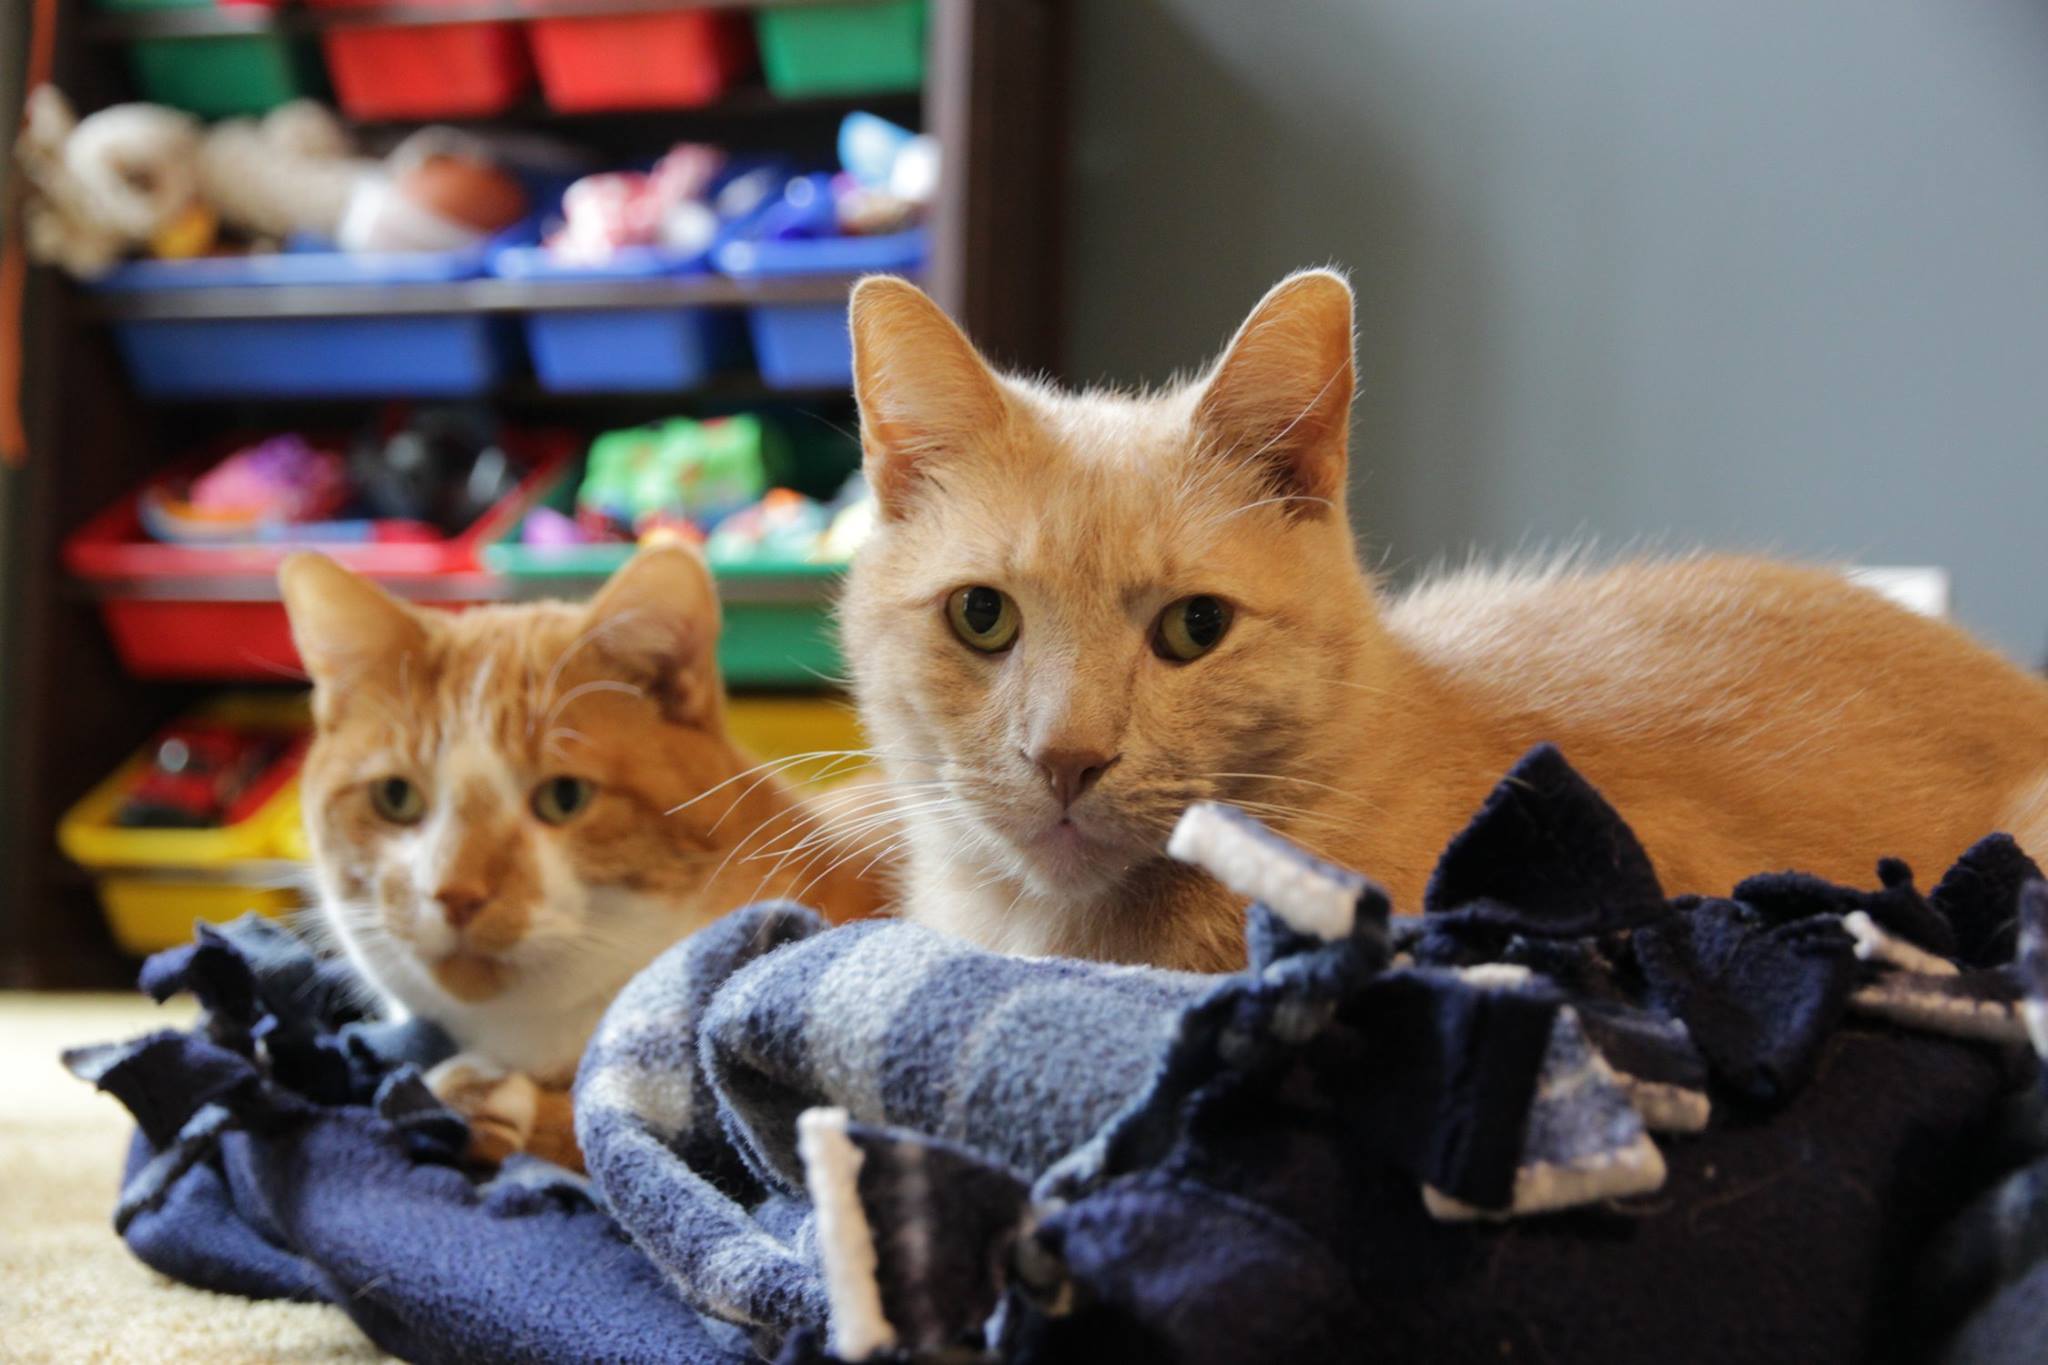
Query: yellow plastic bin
[155, 884]
[772, 727]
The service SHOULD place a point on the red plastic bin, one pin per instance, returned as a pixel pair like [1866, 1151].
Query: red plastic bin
[425, 70]
[640, 61]
[179, 611]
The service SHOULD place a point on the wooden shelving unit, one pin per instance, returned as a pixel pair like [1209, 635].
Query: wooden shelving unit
[994, 95]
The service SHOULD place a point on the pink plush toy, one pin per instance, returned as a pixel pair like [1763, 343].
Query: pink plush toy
[283, 478]
[664, 207]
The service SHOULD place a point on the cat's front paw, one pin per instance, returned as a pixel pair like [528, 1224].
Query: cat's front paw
[500, 1106]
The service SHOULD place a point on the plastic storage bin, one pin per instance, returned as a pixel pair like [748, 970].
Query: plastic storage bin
[215, 77]
[342, 357]
[426, 70]
[773, 727]
[425, 355]
[154, 884]
[623, 350]
[806, 345]
[639, 61]
[176, 611]
[778, 617]
[843, 49]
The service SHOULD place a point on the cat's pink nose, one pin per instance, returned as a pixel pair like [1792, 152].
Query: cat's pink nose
[1071, 772]
[460, 904]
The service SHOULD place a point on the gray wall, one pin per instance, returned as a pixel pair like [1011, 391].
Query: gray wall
[1749, 273]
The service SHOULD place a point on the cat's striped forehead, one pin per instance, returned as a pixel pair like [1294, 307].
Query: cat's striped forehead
[506, 679]
[1103, 497]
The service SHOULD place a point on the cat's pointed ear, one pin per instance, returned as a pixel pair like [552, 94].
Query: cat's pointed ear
[657, 620]
[343, 624]
[1281, 394]
[923, 388]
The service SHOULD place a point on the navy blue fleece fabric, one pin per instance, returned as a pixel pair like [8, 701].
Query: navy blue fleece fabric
[299, 1156]
[1786, 1239]
[1065, 1161]
[1983, 1284]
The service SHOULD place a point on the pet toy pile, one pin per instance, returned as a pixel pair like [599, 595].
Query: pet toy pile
[1555, 1116]
[205, 773]
[695, 198]
[144, 178]
[413, 476]
[671, 207]
[151, 180]
[707, 483]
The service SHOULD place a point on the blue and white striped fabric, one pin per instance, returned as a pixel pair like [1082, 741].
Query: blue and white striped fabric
[765, 1040]
[689, 1095]
[829, 1131]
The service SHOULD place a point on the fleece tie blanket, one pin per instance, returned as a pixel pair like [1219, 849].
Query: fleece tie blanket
[1556, 1116]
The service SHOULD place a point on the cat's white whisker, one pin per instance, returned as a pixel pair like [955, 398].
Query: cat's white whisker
[770, 765]
[585, 689]
[478, 687]
[838, 833]
[609, 622]
[796, 821]
[1290, 778]
[825, 839]
[556, 735]
[889, 849]
[838, 680]
[888, 840]
[840, 760]
[1274, 502]
[877, 806]
[278, 670]
[789, 820]
[1358, 686]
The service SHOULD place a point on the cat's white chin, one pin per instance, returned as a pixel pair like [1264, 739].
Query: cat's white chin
[472, 977]
[1073, 859]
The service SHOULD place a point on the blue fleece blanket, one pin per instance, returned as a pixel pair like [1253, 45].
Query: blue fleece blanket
[1557, 1116]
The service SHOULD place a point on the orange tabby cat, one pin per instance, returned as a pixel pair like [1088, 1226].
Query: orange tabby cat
[1081, 612]
[513, 809]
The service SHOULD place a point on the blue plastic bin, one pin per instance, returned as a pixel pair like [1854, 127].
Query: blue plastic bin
[426, 355]
[423, 357]
[624, 350]
[307, 264]
[806, 345]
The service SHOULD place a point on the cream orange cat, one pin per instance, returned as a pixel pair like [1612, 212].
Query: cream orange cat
[513, 809]
[1081, 612]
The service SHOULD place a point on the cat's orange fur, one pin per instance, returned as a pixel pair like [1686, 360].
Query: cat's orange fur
[510, 931]
[1743, 715]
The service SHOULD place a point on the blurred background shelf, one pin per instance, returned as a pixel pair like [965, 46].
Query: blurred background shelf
[989, 86]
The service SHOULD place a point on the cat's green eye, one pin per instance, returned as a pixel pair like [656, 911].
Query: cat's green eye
[1190, 628]
[561, 799]
[397, 800]
[984, 617]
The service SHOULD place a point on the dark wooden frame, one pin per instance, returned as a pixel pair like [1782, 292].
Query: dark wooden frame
[995, 95]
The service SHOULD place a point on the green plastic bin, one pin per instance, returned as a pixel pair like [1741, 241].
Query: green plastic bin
[843, 49]
[216, 77]
[778, 616]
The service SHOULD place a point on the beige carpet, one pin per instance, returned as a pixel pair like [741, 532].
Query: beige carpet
[69, 1291]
